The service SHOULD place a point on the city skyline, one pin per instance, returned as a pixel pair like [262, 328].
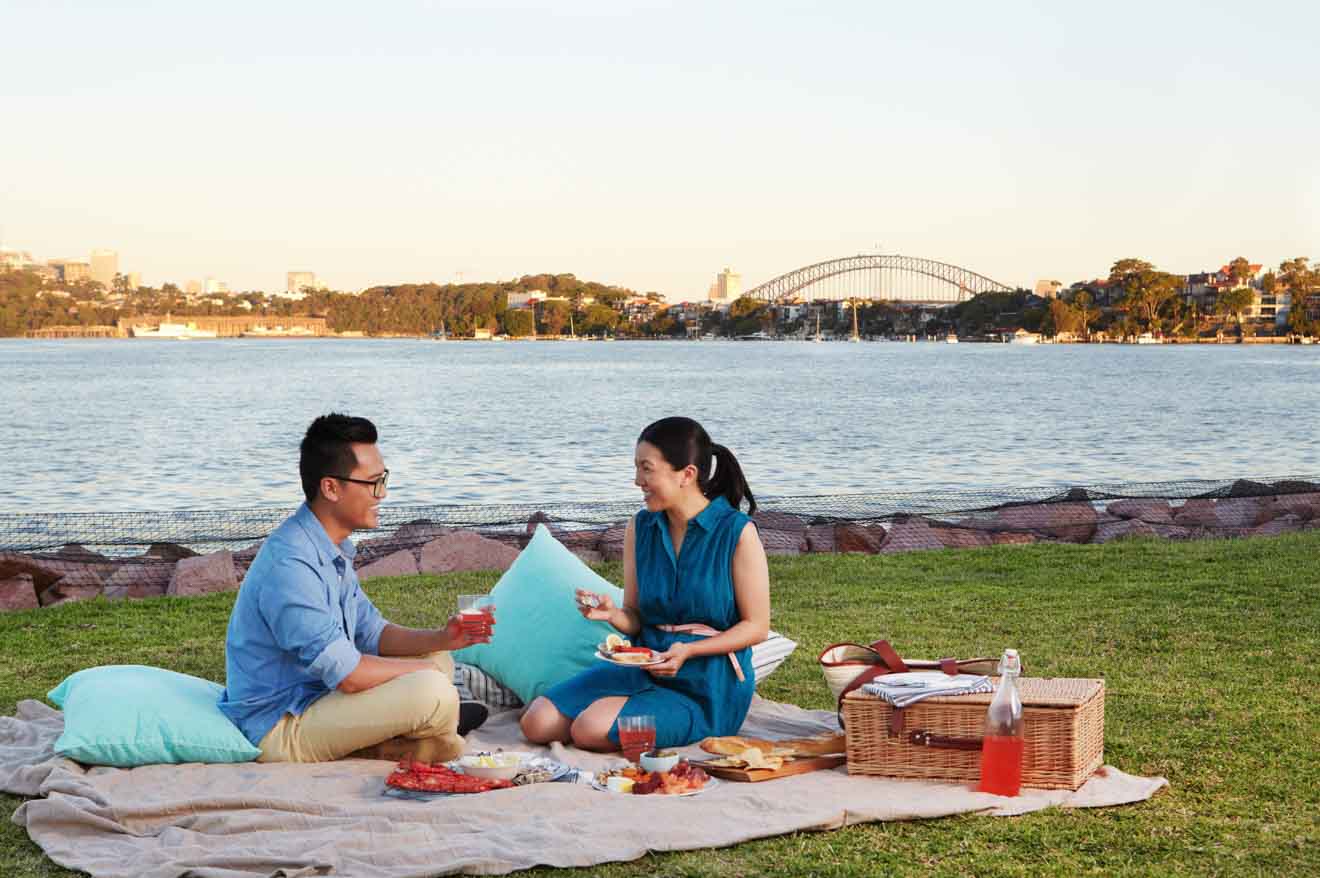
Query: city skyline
[650, 146]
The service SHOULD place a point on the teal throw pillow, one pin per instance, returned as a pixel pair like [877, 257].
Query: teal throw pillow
[130, 715]
[540, 637]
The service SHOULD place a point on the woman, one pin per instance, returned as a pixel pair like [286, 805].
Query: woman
[689, 561]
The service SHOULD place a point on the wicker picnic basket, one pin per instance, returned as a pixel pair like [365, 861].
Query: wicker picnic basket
[1063, 721]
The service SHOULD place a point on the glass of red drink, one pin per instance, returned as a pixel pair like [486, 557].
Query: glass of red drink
[636, 736]
[476, 613]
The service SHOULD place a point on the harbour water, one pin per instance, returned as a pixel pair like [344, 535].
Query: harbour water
[140, 425]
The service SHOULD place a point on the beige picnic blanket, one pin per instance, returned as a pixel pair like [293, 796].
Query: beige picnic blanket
[250, 820]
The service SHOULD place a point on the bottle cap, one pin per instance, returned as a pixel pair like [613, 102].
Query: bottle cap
[1010, 663]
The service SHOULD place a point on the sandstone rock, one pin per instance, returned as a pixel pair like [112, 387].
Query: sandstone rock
[1178, 532]
[1011, 538]
[76, 552]
[465, 550]
[1248, 488]
[168, 552]
[1304, 506]
[63, 592]
[779, 542]
[1149, 511]
[18, 593]
[45, 572]
[914, 534]
[1228, 514]
[768, 519]
[1122, 529]
[610, 544]
[589, 556]
[854, 537]
[205, 574]
[400, 563]
[578, 540]
[139, 579]
[538, 517]
[820, 538]
[961, 538]
[1070, 522]
[419, 532]
[1274, 527]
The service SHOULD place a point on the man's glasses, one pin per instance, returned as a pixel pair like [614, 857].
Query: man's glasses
[377, 484]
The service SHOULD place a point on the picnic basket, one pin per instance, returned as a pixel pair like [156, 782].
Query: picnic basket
[940, 738]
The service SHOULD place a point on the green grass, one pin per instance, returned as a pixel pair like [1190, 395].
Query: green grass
[1209, 650]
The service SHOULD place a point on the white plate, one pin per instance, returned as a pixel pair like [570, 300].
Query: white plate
[710, 782]
[603, 657]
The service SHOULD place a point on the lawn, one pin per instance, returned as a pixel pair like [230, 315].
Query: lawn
[1208, 650]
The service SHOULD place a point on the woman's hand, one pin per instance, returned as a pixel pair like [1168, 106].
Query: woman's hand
[596, 607]
[671, 660]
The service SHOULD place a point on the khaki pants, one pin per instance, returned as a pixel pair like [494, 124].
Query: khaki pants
[414, 714]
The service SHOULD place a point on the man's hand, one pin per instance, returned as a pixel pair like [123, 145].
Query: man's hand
[461, 631]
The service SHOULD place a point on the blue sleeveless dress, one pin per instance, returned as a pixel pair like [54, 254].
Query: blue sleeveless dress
[705, 698]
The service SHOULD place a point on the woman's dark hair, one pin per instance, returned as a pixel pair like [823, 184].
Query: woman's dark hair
[326, 449]
[683, 442]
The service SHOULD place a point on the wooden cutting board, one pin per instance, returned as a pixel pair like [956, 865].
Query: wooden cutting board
[788, 769]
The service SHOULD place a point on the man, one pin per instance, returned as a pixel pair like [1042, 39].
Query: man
[314, 672]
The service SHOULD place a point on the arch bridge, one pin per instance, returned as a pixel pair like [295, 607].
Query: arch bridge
[891, 277]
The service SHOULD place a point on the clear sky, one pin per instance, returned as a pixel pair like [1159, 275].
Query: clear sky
[650, 144]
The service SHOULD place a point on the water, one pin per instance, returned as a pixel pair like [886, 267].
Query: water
[124, 425]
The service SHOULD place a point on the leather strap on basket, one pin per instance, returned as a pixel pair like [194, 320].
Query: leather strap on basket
[923, 738]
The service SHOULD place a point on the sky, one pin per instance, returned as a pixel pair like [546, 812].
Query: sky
[651, 144]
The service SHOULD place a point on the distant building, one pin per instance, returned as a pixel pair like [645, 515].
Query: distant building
[133, 279]
[192, 288]
[71, 270]
[212, 287]
[1048, 289]
[16, 259]
[297, 283]
[727, 287]
[105, 265]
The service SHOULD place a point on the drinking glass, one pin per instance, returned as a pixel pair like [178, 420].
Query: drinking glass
[476, 613]
[636, 736]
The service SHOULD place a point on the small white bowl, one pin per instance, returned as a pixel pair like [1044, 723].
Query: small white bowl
[506, 765]
[658, 763]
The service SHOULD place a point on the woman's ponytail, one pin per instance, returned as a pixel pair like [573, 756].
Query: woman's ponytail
[728, 480]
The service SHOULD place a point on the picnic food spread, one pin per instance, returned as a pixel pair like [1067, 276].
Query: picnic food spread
[427, 778]
[683, 779]
[755, 759]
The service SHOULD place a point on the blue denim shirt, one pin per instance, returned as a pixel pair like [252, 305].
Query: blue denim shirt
[299, 627]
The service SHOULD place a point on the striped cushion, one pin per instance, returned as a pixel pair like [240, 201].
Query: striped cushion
[766, 656]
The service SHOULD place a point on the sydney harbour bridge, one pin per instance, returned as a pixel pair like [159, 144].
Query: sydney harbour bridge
[890, 277]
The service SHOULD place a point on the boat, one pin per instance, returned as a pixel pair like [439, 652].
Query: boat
[818, 338]
[951, 338]
[1024, 337]
[1149, 338]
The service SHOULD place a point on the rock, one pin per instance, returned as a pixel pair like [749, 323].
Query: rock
[18, 593]
[820, 538]
[768, 519]
[76, 552]
[63, 592]
[1070, 522]
[854, 537]
[1282, 524]
[610, 544]
[465, 550]
[1248, 488]
[779, 542]
[419, 532]
[1177, 532]
[139, 580]
[205, 574]
[1121, 530]
[589, 556]
[1228, 514]
[1010, 538]
[914, 534]
[400, 563]
[45, 572]
[1304, 506]
[168, 552]
[961, 538]
[578, 540]
[1149, 511]
[538, 517]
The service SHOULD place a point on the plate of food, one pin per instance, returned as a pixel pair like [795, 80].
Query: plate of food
[620, 651]
[684, 779]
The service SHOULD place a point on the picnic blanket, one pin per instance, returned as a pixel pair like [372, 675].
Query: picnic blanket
[260, 821]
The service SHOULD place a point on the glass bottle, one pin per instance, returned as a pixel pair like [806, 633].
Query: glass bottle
[1001, 747]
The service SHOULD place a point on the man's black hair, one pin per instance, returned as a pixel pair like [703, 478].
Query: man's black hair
[326, 449]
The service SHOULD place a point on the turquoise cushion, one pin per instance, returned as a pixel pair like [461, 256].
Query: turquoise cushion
[129, 715]
[540, 637]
